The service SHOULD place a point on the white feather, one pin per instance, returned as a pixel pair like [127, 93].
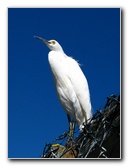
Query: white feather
[70, 82]
[71, 86]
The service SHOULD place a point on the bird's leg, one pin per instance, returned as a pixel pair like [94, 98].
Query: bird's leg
[73, 121]
[71, 127]
[71, 130]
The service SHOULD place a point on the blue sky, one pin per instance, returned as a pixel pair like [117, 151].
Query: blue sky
[91, 36]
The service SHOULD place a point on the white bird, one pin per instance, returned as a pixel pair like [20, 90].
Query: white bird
[70, 82]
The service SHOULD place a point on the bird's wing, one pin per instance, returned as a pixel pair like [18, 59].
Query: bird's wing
[66, 93]
[79, 84]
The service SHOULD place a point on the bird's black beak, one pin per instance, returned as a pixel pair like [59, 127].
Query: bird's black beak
[41, 39]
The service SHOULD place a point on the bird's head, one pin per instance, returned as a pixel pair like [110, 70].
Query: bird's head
[53, 45]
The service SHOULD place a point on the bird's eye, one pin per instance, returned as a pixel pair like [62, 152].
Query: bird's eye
[52, 42]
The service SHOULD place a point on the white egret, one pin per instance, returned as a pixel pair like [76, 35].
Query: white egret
[70, 82]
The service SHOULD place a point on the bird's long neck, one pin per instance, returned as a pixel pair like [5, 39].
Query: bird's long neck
[57, 55]
[55, 59]
[59, 50]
